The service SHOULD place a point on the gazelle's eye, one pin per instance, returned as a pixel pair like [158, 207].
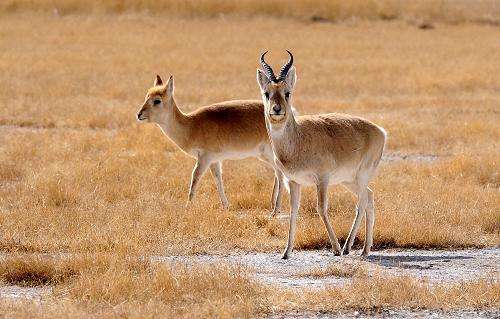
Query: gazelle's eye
[156, 102]
[287, 95]
[266, 94]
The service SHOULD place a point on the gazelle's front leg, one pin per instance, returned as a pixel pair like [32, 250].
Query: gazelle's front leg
[322, 190]
[277, 192]
[267, 156]
[199, 169]
[294, 209]
[216, 169]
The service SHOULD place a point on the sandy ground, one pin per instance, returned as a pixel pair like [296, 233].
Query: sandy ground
[432, 265]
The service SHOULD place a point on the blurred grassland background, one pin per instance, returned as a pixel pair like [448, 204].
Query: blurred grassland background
[452, 11]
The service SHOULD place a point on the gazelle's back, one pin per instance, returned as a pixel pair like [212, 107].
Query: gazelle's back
[229, 126]
[333, 141]
[340, 134]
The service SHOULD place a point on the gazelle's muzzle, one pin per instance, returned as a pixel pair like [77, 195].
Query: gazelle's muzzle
[141, 115]
[277, 113]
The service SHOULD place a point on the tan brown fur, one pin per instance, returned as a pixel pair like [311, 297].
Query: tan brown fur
[227, 126]
[211, 134]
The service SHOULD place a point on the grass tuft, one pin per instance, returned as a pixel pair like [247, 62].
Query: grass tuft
[33, 270]
[342, 270]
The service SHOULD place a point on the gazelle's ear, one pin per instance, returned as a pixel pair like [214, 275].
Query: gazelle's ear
[158, 81]
[170, 86]
[262, 79]
[291, 77]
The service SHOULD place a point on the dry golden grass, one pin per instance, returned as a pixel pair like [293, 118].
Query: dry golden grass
[32, 271]
[344, 270]
[79, 175]
[381, 293]
[105, 285]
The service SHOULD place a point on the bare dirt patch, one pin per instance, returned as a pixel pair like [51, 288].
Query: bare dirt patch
[415, 157]
[400, 314]
[19, 292]
[303, 271]
[439, 266]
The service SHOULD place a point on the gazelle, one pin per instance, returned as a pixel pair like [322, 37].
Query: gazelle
[211, 134]
[320, 150]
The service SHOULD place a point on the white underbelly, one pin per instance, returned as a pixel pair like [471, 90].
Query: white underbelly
[335, 177]
[302, 178]
[236, 155]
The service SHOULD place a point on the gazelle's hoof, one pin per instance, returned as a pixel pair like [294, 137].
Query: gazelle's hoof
[285, 256]
[346, 250]
[274, 213]
[337, 251]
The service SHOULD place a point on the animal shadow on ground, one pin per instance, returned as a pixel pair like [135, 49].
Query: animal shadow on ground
[412, 261]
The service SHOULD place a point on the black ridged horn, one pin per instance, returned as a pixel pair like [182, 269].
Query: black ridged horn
[284, 70]
[267, 68]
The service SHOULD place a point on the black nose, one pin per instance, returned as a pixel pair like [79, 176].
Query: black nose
[277, 108]
[139, 115]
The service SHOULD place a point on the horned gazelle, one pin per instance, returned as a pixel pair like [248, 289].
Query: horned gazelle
[211, 134]
[320, 150]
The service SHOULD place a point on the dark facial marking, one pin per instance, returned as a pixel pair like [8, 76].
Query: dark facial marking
[277, 102]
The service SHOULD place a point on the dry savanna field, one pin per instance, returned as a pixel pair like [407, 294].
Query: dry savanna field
[88, 196]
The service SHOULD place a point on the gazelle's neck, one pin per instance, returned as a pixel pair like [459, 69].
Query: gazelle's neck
[176, 125]
[284, 137]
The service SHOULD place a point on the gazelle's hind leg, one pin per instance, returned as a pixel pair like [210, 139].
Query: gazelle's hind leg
[322, 190]
[370, 221]
[365, 205]
[216, 169]
[362, 195]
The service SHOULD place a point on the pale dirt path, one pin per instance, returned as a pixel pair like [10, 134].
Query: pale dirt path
[396, 314]
[435, 265]
[18, 292]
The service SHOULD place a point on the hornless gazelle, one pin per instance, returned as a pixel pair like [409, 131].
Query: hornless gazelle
[211, 134]
[320, 150]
